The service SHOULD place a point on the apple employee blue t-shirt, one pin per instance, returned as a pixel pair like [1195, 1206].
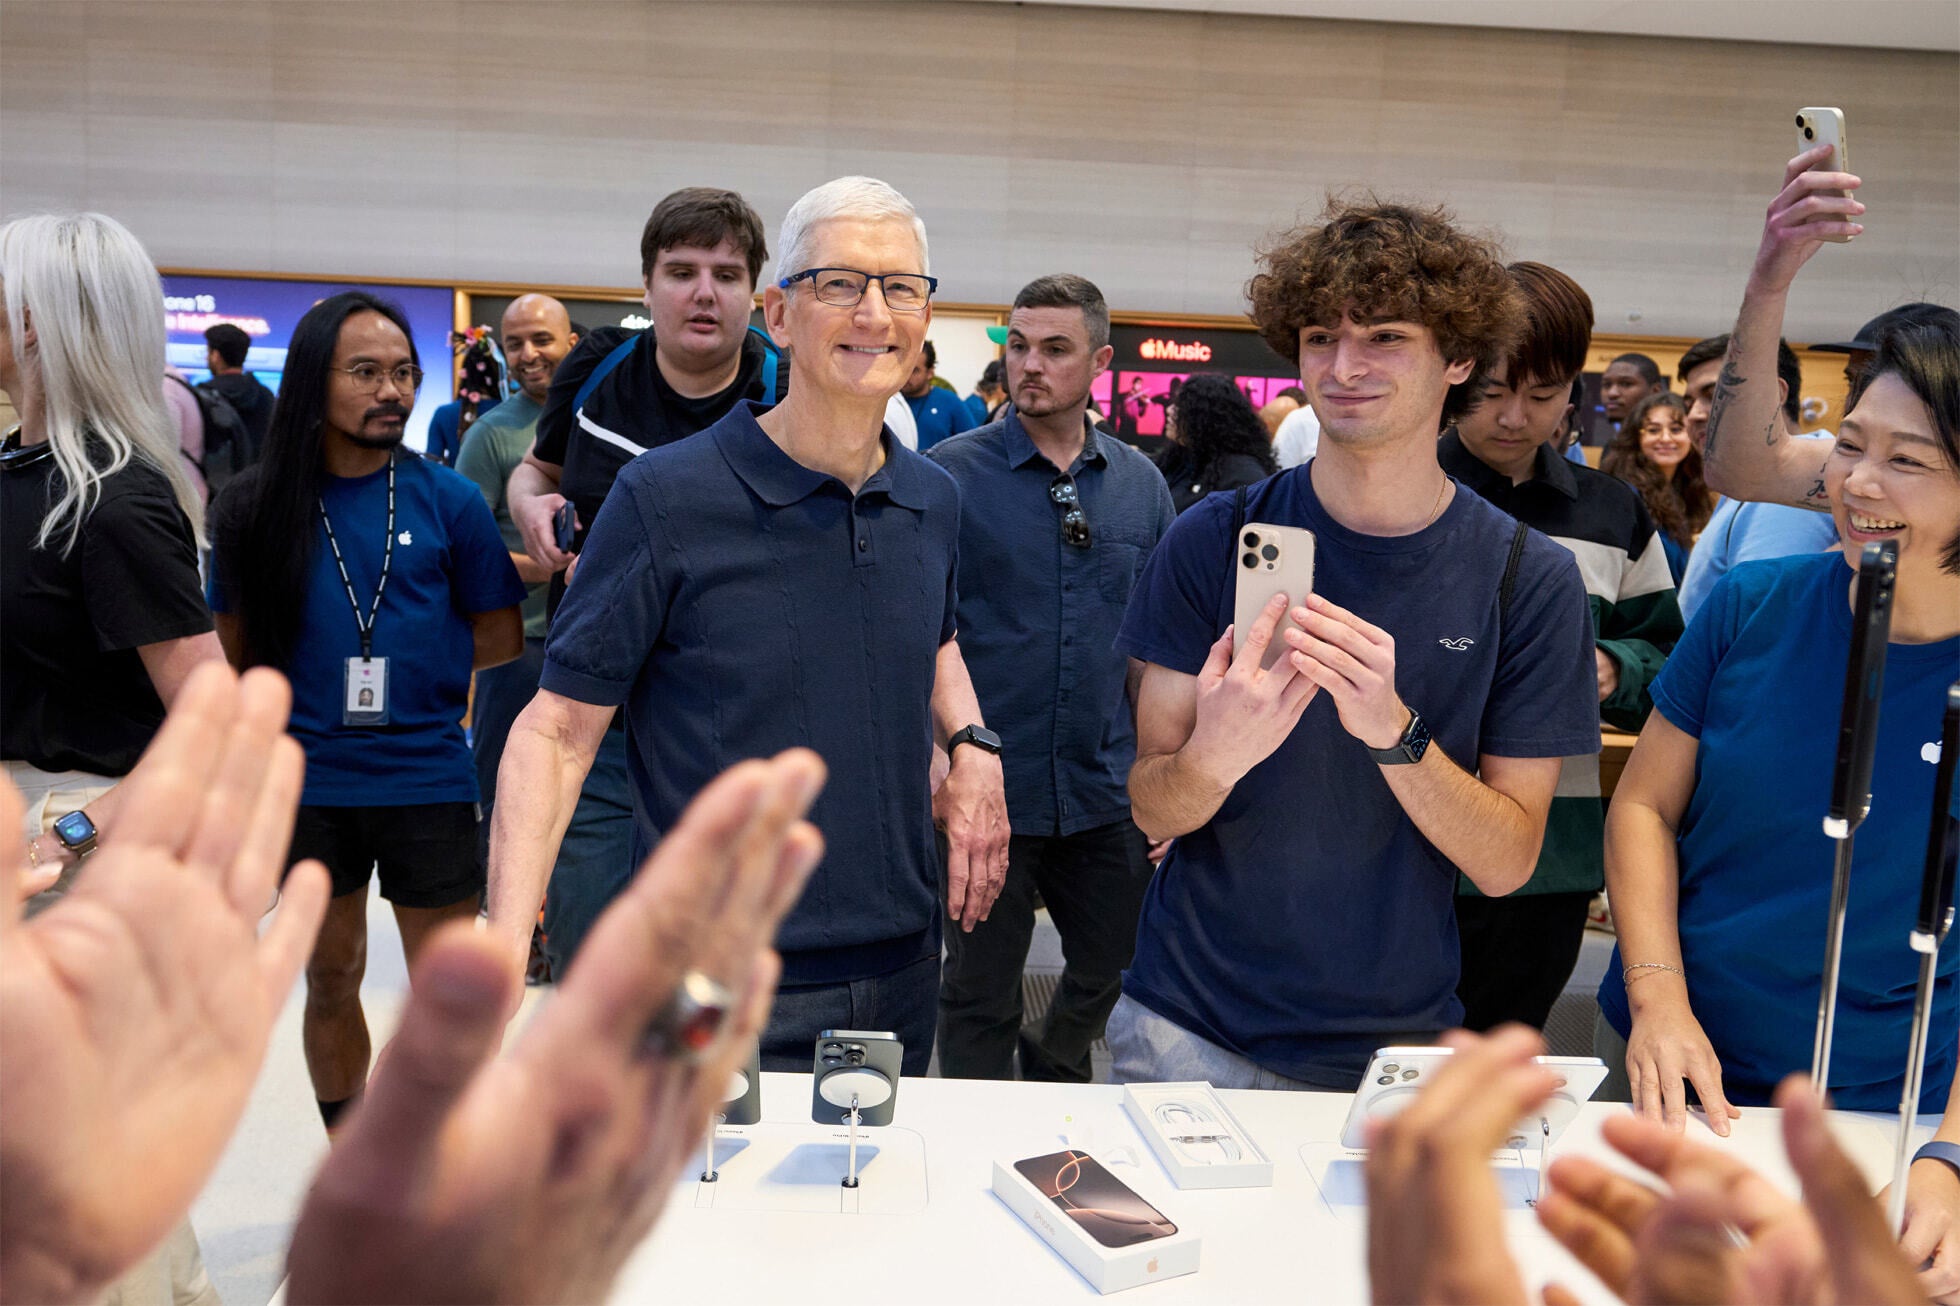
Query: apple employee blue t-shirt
[1309, 922]
[449, 563]
[1758, 679]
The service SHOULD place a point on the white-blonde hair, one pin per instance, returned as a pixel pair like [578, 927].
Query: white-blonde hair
[865, 198]
[98, 356]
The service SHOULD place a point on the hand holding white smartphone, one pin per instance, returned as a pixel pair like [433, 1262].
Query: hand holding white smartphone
[1269, 560]
[1825, 126]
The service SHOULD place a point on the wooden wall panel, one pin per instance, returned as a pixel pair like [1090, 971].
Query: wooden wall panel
[497, 141]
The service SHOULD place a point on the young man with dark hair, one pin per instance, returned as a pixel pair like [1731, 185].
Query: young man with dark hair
[613, 397]
[1739, 532]
[1626, 381]
[226, 347]
[788, 575]
[376, 582]
[939, 412]
[1055, 522]
[1519, 950]
[1411, 728]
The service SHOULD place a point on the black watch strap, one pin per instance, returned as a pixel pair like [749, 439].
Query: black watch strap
[1409, 748]
[978, 736]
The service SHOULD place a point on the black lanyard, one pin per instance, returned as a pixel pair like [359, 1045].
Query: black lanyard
[387, 558]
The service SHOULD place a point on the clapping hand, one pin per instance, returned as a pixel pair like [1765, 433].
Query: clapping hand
[136, 1011]
[531, 1178]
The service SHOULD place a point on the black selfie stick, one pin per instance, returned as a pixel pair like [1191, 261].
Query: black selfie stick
[1851, 780]
[1935, 918]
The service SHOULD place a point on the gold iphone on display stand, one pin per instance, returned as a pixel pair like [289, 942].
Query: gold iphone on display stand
[1269, 560]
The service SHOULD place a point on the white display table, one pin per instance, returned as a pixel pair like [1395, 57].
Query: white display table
[776, 1232]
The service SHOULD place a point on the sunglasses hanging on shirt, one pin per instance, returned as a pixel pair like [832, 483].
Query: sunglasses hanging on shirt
[1075, 525]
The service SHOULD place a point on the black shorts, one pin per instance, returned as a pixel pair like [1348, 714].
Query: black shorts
[425, 852]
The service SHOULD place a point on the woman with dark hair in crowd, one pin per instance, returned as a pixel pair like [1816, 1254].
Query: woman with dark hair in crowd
[1217, 441]
[1714, 862]
[1653, 454]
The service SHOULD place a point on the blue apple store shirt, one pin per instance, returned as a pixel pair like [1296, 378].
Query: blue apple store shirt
[1309, 922]
[448, 563]
[1758, 679]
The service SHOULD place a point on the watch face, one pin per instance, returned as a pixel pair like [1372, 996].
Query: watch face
[74, 829]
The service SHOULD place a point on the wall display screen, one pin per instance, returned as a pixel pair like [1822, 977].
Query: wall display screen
[267, 311]
[1150, 361]
[488, 310]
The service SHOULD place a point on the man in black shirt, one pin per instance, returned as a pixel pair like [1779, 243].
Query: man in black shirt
[226, 347]
[618, 394]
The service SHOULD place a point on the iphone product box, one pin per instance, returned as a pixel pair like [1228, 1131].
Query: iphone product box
[1105, 1229]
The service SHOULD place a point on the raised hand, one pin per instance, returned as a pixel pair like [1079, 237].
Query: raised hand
[532, 1177]
[135, 1012]
[1435, 1213]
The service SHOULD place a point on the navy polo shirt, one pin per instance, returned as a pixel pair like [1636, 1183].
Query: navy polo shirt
[1038, 616]
[738, 603]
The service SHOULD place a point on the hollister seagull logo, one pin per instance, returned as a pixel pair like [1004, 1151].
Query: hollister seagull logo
[406, 537]
[1460, 644]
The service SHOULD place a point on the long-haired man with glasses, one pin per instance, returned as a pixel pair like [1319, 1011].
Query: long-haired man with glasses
[375, 581]
[1056, 522]
[787, 578]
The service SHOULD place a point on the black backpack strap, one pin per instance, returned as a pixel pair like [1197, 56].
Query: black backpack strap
[1510, 581]
[1238, 512]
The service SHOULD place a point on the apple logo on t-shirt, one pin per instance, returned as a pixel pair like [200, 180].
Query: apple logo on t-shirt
[406, 537]
[1931, 752]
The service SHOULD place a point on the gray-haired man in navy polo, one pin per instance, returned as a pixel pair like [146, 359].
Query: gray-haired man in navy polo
[1056, 524]
[786, 577]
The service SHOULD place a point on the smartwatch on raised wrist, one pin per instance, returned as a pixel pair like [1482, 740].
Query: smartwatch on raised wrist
[978, 736]
[76, 832]
[1409, 748]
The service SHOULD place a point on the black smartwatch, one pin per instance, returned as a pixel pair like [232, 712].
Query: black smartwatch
[76, 832]
[1409, 748]
[978, 736]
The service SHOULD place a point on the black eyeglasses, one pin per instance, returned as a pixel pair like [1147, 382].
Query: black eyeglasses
[905, 292]
[1075, 526]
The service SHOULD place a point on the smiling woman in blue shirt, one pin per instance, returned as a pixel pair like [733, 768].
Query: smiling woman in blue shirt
[1717, 869]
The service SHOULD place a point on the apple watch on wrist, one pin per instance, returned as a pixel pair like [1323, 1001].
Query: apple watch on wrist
[76, 833]
[1409, 748]
[978, 736]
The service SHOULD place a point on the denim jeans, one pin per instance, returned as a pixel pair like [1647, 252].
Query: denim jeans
[1145, 1048]
[903, 1002]
[595, 861]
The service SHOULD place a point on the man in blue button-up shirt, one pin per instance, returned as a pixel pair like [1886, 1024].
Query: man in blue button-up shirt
[1055, 525]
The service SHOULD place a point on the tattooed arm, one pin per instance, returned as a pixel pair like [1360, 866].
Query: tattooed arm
[1747, 453]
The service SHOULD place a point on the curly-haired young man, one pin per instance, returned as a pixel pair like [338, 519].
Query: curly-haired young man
[1322, 808]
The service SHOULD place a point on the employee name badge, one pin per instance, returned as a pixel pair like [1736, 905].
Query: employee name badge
[366, 701]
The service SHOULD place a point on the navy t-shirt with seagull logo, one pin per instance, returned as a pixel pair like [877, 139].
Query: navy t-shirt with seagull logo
[1309, 922]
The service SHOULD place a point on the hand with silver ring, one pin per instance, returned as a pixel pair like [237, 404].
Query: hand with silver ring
[537, 1173]
[691, 1021]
